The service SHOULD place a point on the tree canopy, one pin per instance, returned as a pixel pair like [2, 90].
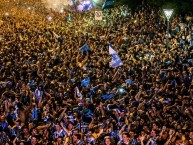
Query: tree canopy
[180, 6]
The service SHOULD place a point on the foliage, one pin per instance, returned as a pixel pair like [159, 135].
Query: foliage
[180, 6]
[131, 3]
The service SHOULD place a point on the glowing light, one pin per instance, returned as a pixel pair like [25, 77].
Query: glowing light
[168, 13]
[49, 18]
[87, 2]
[6, 14]
[121, 91]
[85, 5]
[62, 10]
[29, 8]
[56, 5]
[96, 1]
[80, 7]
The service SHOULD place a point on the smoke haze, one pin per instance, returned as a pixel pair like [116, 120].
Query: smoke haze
[57, 4]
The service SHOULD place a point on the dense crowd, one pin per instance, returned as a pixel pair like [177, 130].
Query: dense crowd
[148, 100]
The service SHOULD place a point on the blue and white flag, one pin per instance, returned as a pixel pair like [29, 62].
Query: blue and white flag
[107, 96]
[85, 82]
[129, 81]
[116, 61]
[84, 48]
[78, 93]
[72, 80]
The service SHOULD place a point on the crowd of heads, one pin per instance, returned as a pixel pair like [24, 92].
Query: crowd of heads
[147, 100]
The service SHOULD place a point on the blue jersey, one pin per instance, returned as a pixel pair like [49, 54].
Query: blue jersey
[83, 127]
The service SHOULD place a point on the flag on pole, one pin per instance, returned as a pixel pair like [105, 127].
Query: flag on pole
[78, 93]
[84, 48]
[116, 61]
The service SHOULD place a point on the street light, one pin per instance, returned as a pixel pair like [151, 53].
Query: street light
[168, 13]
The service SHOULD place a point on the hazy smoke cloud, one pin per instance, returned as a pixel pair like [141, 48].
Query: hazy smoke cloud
[57, 4]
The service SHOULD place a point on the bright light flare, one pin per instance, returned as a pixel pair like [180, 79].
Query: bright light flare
[121, 91]
[62, 10]
[96, 1]
[6, 14]
[168, 13]
[87, 2]
[49, 18]
[85, 5]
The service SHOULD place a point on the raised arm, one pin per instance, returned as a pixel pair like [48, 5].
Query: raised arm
[77, 59]
[65, 129]
[85, 59]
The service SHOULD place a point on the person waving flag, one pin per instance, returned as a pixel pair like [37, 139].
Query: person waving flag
[116, 61]
[84, 48]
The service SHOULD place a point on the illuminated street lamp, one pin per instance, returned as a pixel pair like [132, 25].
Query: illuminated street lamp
[168, 13]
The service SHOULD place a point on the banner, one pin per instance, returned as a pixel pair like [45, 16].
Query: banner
[98, 15]
[84, 48]
[116, 60]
